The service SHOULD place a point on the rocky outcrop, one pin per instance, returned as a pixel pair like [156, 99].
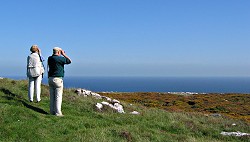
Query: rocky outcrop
[85, 93]
[111, 103]
[118, 107]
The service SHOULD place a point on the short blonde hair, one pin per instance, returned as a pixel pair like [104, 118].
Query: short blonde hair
[34, 48]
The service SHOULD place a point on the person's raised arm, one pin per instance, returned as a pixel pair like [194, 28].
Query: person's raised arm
[64, 54]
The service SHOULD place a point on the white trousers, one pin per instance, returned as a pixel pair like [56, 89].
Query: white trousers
[35, 87]
[56, 92]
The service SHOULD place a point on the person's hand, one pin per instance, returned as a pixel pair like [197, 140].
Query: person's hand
[63, 52]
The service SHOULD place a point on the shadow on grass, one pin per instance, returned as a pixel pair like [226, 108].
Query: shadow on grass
[12, 96]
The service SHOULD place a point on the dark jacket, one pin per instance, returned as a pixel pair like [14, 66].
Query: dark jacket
[56, 65]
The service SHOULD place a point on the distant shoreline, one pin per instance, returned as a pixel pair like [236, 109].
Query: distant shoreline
[180, 85]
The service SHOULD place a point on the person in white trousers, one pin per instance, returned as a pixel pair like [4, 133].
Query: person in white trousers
[56, 64]
[34, 73]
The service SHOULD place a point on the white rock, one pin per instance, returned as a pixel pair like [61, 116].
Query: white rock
[83, 92]
[116, 106]
[135, 112]
[105, 103]
[1, 77]
[87, 92]
[107, 98]
[111, 106]
[237, 134]
[99, 106]
[233, 124]
[78, 91]
[119, 108]
[97, 96]
[115, 101]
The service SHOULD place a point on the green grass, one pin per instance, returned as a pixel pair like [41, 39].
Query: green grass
[23, 121]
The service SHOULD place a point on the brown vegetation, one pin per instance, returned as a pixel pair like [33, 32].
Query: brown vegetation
[232, 105]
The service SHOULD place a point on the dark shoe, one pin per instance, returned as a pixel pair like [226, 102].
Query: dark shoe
[31, 101]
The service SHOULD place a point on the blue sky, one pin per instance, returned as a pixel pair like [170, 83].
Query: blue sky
[130, 37]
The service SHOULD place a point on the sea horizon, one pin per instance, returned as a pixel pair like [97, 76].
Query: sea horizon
[155, 84]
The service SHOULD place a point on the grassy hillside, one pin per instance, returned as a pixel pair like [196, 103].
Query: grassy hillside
[21, 120]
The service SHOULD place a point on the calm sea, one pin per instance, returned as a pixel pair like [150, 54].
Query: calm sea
[159, 84]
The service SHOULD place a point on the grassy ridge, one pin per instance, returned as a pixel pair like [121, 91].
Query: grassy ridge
[24, 121]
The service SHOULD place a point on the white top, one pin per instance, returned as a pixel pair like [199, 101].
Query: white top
[33, 61]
